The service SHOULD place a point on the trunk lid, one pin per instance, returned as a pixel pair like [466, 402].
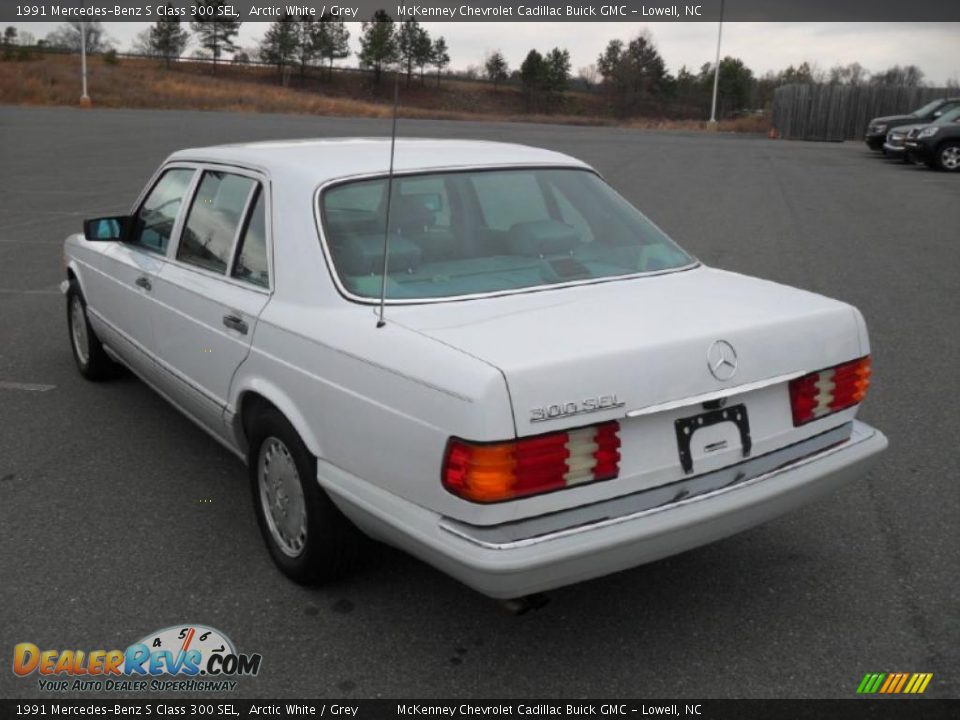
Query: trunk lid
[637, 351]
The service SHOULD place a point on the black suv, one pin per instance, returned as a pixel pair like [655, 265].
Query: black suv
[878, 127]
[937, 144]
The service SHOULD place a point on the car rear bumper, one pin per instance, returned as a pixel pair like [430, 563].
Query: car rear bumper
[538, 554]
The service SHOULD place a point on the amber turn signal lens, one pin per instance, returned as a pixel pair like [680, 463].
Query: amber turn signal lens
[492, 472]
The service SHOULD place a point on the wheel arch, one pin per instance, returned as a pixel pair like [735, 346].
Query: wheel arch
[73, 274]
[944, 143]
[258, 393]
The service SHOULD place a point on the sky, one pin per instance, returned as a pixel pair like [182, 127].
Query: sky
[934, 47]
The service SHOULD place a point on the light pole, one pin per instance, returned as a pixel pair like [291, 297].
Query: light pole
[84, 98]
[716, 69]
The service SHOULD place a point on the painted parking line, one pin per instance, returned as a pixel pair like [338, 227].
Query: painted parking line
[32, 387]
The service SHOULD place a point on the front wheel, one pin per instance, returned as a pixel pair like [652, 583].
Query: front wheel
[307, 536]
[948, 157]
[92, 360]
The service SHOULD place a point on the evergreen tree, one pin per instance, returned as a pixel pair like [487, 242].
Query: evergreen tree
[378, 43]
[335, 40]
[423, 51]
[280, 43]
[556, 70]
[308, 42]
[533, 75]
[167, 39]
[409, 39]
[216, 33]
[496, 68]
[439, 57]
[634, 70]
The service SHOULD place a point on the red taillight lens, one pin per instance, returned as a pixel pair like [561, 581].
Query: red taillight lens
[828, 391]
[492, 472]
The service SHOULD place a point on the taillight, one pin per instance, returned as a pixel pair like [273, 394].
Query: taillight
[828, 391]
[491, 472]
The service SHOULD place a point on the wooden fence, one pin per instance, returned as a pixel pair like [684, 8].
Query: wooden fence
[841, 112]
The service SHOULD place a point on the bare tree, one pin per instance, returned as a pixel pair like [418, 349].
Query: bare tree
[588, 75]
[67, 37]
[909, 75]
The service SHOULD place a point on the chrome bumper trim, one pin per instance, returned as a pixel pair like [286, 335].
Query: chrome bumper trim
[544, 528]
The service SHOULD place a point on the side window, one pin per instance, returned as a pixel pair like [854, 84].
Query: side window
[153, 223]
[509, 198]
[251, 264]
[214, 217]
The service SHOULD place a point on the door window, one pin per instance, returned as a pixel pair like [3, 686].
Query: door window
[154, 221]
[213, 220]
[251, 264]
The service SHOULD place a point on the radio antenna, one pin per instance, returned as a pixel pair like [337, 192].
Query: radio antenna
[386, 229]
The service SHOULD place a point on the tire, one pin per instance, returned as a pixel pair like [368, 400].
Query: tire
[948, 156]
[323, 545]
[88, 353]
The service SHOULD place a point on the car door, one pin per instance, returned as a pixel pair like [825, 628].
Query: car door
[124, 306]
[213, 289]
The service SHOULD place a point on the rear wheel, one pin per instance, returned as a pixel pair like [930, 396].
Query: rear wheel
[92, 360]
[308, 538]
[948, 156]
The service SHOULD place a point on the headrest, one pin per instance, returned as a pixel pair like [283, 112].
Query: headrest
[411, 213]
[363, 255]
[542, 237]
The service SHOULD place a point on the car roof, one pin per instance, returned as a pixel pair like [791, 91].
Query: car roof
[333, 158]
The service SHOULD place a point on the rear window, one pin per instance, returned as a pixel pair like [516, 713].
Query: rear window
[463, 233]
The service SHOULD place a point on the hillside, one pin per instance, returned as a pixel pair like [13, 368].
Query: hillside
[143, 83]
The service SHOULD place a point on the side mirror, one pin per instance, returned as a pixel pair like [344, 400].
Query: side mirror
[105, 229]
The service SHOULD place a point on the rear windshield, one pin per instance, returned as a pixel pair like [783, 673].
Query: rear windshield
[464, 233]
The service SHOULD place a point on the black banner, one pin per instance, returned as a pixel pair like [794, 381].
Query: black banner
[487, 10]
[875, 709]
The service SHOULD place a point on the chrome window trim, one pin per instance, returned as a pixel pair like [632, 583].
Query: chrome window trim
[241, 227]
[729, 479]
[257, 176]
[359, 299]
[178, 221]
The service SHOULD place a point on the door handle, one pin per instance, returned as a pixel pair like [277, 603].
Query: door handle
[235, 322]
[144, 282]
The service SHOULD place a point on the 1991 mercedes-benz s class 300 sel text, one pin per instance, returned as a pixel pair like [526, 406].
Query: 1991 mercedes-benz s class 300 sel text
[558, 392]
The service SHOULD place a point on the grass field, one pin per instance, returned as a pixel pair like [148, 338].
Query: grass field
[141, 83]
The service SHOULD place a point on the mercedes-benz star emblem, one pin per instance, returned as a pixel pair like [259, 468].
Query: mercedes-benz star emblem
[722, 360]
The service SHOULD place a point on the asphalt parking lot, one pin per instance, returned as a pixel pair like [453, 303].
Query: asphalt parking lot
[118, 517]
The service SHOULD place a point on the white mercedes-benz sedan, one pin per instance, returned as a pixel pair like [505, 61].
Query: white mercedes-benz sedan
[557, 391]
